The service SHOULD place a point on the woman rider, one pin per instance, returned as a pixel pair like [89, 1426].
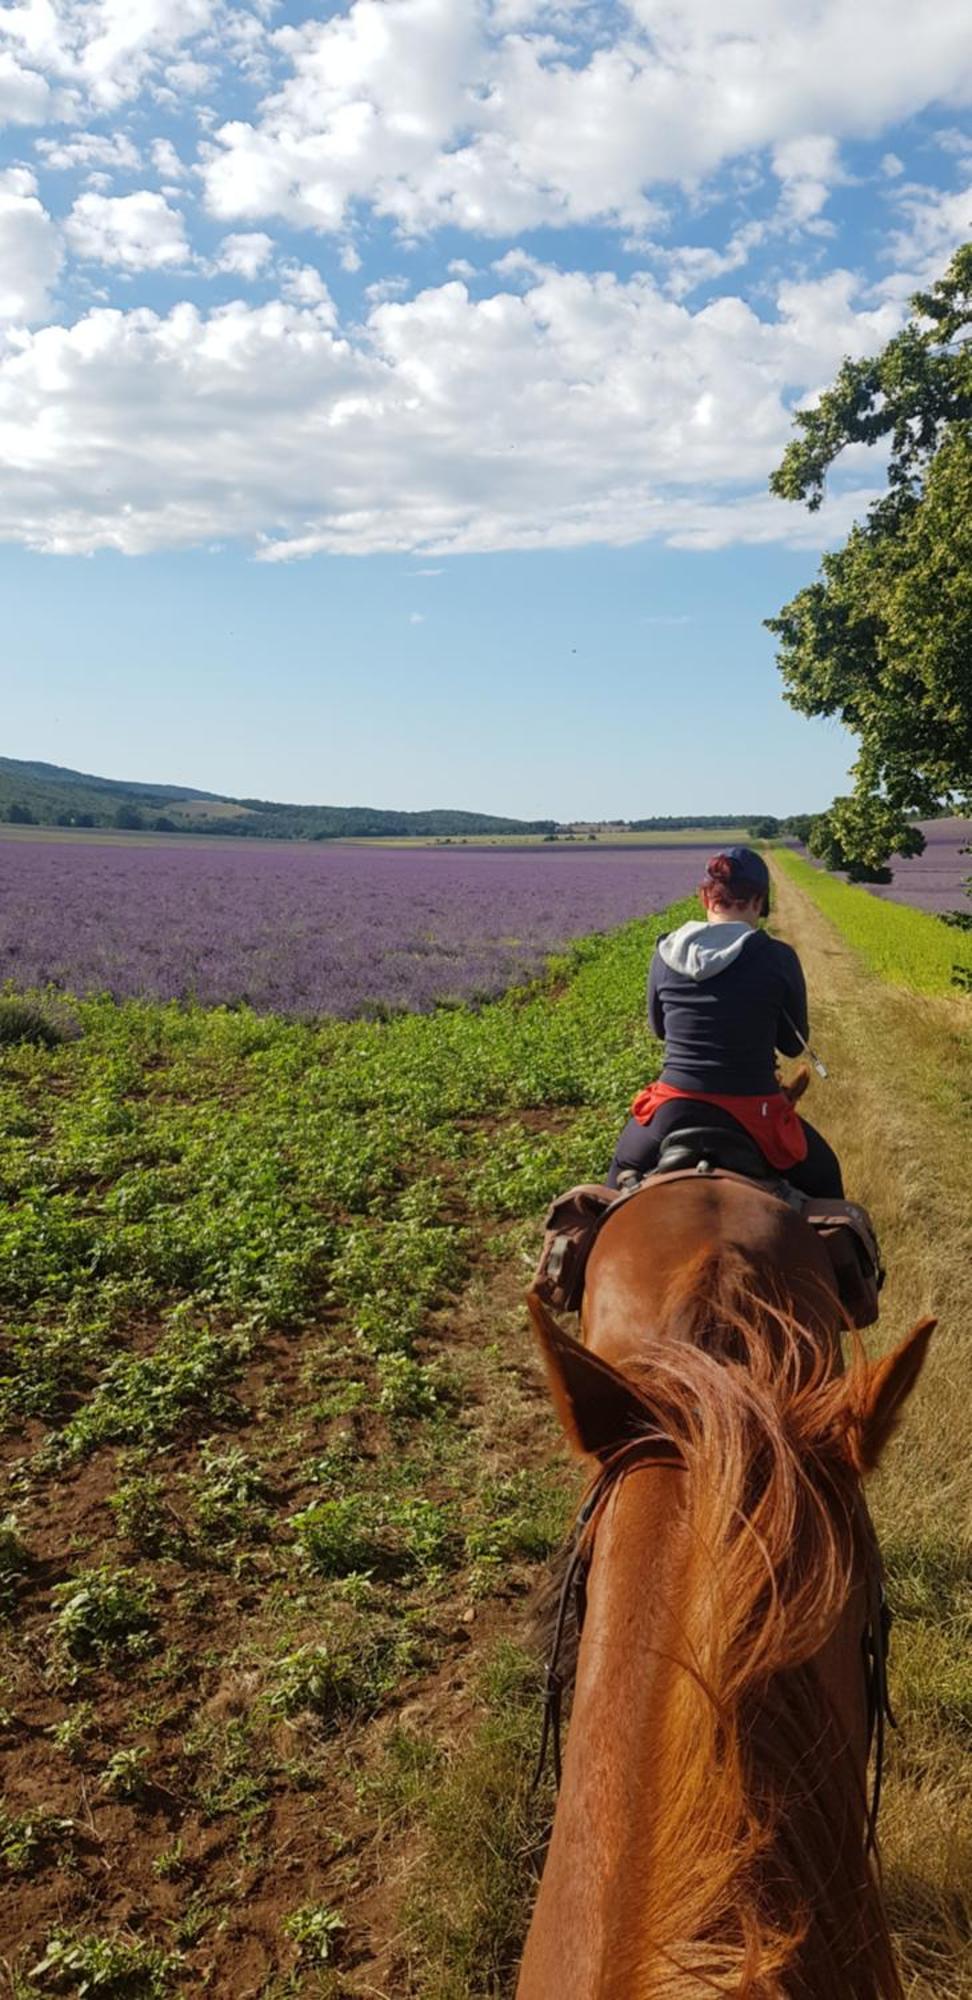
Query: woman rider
[724, 996]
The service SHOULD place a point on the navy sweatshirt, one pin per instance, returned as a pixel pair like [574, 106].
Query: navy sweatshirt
[719, 996]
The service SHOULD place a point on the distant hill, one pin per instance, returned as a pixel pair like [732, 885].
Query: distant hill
[51, 795]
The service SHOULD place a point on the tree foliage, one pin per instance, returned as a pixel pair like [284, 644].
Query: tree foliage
[883, 637]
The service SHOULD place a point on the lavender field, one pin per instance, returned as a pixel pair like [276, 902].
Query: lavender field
[934, 881]
[308, 930]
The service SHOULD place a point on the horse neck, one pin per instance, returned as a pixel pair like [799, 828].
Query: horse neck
[621, 1685]
[665, 1878]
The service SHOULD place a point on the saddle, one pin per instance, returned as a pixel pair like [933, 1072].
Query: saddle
[575, 1219]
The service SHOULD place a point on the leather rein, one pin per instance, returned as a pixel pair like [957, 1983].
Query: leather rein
[652, 1450]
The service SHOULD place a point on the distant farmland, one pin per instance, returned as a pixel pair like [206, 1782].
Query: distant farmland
[307, 930]
[935, 880]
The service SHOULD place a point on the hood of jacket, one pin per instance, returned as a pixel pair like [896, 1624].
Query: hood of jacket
[701, 950]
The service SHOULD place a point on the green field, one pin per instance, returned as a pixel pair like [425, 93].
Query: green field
[261, 1465]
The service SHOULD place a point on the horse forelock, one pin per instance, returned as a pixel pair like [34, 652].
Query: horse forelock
[749, 1793]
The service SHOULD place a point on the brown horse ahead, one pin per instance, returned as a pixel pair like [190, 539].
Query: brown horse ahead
[710, 1829]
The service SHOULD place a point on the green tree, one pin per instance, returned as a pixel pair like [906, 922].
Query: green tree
[128, 818]
[883, 638]
[21, 815]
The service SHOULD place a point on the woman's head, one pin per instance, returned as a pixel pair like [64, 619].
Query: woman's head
[736, 886]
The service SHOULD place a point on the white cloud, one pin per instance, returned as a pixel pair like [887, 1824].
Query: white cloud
[25, 97]
[808, 167]
[245, 255]
[137, 232]
[932, 224]
[350, 260]
[387, 288]
[187, 78]
[30, 249]
[302, 285]
[497, 119]
[106, 51]
[584, 410]
[416, 618]
[166, 161]
[85, 150]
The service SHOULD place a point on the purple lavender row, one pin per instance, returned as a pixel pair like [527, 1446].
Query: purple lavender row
[311, 930]
[934, 880]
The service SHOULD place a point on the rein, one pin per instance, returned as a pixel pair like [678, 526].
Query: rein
[650, 1451]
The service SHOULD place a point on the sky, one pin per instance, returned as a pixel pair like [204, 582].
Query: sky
[389, 388]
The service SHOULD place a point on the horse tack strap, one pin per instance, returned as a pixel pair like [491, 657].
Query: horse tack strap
[648, 1451]
[877, 1634]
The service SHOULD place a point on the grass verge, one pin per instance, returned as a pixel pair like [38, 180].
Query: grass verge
[907, 947]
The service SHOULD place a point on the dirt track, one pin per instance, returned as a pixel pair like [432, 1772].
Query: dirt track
[897, 1109]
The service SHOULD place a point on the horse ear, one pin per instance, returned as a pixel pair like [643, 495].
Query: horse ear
[598, 1407]
[889, 1384]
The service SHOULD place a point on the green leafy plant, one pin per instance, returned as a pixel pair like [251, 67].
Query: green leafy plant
[316, 1931]
[30, 1838]
[125, 1776]
[75, 1732]
[144, 1515]
[14, 1561]
[228, 1496]
[105, 1615]
[116, 1968]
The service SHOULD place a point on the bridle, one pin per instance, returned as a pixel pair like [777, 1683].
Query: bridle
[652, 1450]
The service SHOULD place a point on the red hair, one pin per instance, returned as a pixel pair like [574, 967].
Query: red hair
[723, 883]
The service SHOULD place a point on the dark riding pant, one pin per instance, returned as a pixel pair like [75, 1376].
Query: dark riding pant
[639, 1147]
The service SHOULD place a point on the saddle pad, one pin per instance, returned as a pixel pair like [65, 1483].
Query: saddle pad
[575, 1219]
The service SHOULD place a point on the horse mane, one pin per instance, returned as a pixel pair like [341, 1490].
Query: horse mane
[752, 1838]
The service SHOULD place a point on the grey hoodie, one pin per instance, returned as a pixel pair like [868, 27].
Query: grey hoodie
[701, 950]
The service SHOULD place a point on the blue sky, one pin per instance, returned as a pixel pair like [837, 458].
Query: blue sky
[388, 389]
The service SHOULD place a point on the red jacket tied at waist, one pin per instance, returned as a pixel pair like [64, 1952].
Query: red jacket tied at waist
[770, 1121]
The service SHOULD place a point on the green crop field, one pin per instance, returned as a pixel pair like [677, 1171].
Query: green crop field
[260, 1469]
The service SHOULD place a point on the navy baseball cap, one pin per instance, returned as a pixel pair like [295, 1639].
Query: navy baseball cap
[747, 872]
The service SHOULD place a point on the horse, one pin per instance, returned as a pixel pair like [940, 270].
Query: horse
[712, 1832]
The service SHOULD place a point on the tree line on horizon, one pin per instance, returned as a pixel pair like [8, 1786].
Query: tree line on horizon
[109, 804]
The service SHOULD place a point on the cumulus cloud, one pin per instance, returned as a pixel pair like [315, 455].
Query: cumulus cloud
[585, 409]
[246, 255]
[25, 96]
[931, 223]
[502, 118]
[302, 285]
[83, 151]
[30, 249]
[106, 51]
[136, 232]
[166, 161]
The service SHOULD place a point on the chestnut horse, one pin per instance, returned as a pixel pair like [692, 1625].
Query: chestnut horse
[710, 1835]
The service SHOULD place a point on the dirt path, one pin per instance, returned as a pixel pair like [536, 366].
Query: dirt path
[897, 1109]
